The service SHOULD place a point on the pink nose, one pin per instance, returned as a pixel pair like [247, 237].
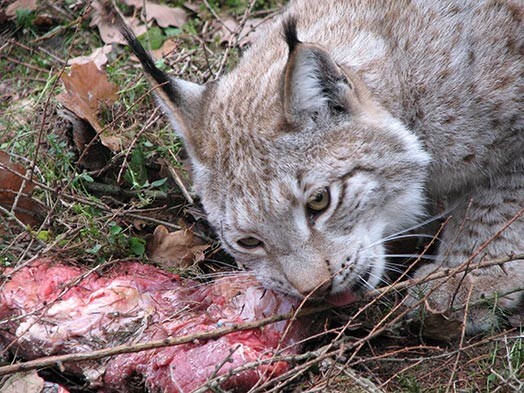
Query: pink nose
[314, 289]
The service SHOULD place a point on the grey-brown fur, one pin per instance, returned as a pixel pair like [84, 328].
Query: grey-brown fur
[393, 106]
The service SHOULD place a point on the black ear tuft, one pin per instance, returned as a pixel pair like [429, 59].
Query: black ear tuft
[111, 15]
[290, 33]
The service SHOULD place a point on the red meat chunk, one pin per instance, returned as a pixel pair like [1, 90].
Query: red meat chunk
[50, 308]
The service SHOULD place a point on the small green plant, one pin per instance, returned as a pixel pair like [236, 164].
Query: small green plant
[506, 364]
[410, 384]
[153, 38]
[25, 19]
[119, 239]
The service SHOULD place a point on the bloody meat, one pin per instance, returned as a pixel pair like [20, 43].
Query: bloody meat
[51, 308]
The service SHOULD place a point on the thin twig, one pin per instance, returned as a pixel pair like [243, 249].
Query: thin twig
[444, 273]
[172, 341]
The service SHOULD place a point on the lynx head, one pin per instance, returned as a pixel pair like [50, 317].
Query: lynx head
[301, 171]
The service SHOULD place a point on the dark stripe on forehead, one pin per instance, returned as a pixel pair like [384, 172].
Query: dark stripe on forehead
[344, 178]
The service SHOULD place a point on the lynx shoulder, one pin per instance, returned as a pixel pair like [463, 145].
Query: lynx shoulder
[344, 124]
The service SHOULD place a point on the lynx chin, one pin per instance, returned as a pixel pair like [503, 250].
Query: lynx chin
[345, 124]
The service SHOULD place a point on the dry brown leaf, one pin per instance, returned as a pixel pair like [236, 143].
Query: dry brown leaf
[28, 382]
[3, 17]
[168, 46]
[99, 57]
[87, 89]
[175, 249]
[440, 326]
[134, 3]
[193, 7]
[227, 31]
[97, 156]
[164, 15]
[20, 5]
[27, 209]
[139, 224]
[108, 31]
[45, 20]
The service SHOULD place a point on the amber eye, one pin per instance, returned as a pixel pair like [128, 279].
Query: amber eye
[319, 201]
[249, 242]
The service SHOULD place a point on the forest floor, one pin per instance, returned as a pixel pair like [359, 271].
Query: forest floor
[99, 200]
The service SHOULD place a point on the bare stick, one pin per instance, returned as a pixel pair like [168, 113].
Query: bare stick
[98, 354]
[120, 349]
[443, 273]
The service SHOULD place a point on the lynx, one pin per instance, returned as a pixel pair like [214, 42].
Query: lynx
[344, 125]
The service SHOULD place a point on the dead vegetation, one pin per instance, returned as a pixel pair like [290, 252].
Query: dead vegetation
[101, 181]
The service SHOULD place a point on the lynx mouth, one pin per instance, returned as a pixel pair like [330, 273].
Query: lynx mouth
[348, 296]
[361, 282]
[342, 298]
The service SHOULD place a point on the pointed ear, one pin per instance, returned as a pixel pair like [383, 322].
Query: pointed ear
[181, 100]
[315, 88]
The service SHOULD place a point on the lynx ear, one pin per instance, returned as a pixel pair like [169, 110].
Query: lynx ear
[314, 87]
[181, 100]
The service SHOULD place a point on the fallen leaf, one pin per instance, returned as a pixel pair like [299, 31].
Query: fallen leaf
[108, 31]
[193, 7]
[175, 249]
[439, 325]
[139, 224]
[45, 20]
[97, 156]
[87, 90]
[28, 382]
[20, 5]
[28, 210]
[134, 3]
[228, 30]
[167, 48]
[164, 15]
[99, 57]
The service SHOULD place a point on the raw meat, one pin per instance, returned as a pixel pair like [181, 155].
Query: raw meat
[51, 308]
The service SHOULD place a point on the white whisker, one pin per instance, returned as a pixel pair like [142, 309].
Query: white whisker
[393, 269]
[421, 256]
[410, 235]
[403, 233]
[425, 222]
[380, 279]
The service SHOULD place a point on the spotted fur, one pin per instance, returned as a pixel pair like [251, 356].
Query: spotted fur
[391, 106]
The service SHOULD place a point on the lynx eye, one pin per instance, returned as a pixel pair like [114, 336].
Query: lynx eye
[319, 201]
[249, 242]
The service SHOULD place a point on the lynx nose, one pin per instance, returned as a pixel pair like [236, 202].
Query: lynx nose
[308, 272]
[314, 285]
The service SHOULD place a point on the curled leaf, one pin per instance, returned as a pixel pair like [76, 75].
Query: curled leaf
[87, 91]
[27, 210]
[175, 249]
[164, 15]
[108, 31]
[98, 56]
[28, 382]
[19, 5]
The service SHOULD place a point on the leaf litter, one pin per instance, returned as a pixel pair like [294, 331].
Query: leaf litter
[20, 5]
[27, 210]
[100, 57]
[87, 92]
[179, 249]
[394, 370]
